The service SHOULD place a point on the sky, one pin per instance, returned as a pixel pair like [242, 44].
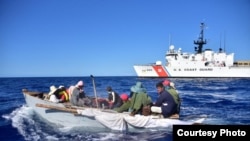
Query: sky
[40, 38]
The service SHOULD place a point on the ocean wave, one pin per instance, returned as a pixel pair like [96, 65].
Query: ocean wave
[22, 120]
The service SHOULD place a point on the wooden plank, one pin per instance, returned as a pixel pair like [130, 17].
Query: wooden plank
[57, 108]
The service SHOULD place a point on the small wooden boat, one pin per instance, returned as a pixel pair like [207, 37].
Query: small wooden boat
[95, 119]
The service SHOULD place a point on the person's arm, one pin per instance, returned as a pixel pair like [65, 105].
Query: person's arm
[125, 106]
[171, 105]
[82, 94]
[74, 97]
[159, 101]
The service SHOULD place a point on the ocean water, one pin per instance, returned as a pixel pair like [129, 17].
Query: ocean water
[224, 101]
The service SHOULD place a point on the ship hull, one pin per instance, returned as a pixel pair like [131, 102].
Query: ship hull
[164, 71]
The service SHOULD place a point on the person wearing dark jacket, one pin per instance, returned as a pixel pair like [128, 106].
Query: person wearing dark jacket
[113, 98]
[165, 103]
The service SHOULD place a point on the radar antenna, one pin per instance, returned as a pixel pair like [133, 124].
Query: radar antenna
[200, 42]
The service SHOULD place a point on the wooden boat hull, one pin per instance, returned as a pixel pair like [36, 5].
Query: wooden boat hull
[94, 119]
[61, 118]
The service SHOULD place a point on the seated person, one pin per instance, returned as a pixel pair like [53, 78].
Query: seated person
[63, 94]
[165, 103]
[53, 94]
[126, 104]
[113, 98]
[139, 98]
[77, 95]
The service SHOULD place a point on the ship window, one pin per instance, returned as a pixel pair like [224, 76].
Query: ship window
[171, 54]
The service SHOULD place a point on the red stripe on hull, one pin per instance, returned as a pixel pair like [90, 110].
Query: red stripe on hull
[160, 71]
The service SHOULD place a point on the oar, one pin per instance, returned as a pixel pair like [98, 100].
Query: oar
[92, 77]
[57, 108]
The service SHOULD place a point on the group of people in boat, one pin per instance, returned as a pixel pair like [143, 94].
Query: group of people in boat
[138, 102]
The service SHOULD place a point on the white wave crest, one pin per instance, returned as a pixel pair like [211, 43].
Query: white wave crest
[22, 120]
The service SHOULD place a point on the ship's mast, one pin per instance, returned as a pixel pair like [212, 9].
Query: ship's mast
[200, 42]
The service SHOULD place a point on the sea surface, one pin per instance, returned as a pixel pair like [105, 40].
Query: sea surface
[224, 101]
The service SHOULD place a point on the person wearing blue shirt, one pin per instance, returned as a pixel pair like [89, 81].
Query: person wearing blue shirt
[165, 103]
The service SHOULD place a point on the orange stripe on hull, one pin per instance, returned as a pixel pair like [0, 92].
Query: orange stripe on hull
[160, 71]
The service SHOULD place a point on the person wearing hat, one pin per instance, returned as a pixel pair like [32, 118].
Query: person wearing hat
[165, 103]
[53, 94]
[170, 88]
[166, 83]
[63, 94]
[113, 98]
[77, 95]
[58, 95]
[126, 104]
[139, 98]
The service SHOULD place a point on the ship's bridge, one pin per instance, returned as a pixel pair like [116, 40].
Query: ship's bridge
[177, 58]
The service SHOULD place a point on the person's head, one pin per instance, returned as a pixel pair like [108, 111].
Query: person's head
[80, 84]
[160, 87]
[166, 82]
[137, 88]
[109, 89]
[124, 97]
[62, 88]
[172, 85]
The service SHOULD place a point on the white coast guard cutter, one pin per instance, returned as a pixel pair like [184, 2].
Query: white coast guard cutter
[202, 63]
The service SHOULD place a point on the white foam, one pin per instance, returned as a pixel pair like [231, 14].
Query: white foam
[22, 120]
[216, 121]
[109, 136]
[120, 136]
[52, 138]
